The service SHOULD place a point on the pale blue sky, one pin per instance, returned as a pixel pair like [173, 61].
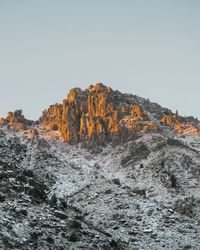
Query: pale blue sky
[146, 47]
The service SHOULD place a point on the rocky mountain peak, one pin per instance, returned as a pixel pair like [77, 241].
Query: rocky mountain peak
[129, 195]
[100, 113]
[97, 113]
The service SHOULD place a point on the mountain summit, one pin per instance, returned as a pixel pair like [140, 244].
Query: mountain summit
[133, 181]
[97, 113]
[100, 114]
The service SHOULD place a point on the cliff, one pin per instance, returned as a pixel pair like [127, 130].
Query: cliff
[102, 114]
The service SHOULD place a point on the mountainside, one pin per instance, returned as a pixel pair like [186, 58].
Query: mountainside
[103, 170]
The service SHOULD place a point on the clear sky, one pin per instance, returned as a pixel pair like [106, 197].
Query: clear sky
[146, 47]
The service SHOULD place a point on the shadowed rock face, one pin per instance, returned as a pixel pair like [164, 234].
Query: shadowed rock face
[100, 113]
[97, 113]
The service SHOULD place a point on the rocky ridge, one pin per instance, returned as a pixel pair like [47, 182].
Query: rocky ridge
[142, 193]
[100, 113]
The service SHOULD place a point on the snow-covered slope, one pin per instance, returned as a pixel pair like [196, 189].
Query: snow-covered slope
[143, 194]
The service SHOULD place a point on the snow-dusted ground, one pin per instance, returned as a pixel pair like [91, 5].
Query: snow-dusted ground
[144, 194]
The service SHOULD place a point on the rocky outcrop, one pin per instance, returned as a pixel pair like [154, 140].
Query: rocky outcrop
[16, 120]
[181, 126]
[97, 113]
[102, 114]
[57, 196]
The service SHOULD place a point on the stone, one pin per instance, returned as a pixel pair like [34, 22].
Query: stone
[28, 172]
[116, 181]
[185, 206]
[53, 200]
[148, 230]
[75, 224]
[113, 243]
[21, 211]
[60, 215]
[2, 197]
[168, 179]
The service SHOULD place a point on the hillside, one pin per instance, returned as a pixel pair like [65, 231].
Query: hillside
[102, 170]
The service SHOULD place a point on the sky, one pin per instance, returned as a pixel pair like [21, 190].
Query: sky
[147, 48]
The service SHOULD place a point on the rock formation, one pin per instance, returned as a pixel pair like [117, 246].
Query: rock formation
[139, 194]
[100, 113]
[16, 120]
[180, 125]
[97, 112]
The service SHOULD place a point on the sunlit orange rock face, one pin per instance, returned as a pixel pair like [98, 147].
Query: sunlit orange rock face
[100, 114]
[16, 120]
[180, 125]
[97, 113]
